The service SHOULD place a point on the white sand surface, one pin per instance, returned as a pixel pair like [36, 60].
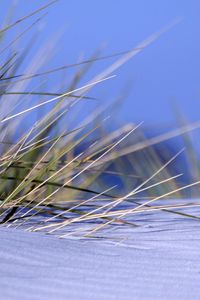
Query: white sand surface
[158, 260]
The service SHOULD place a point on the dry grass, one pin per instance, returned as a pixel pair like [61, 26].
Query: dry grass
[51, 178]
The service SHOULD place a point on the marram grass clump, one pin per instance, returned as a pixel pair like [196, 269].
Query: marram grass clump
[58, 169]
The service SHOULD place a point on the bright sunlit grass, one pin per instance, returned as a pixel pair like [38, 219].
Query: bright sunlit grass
[53, 174]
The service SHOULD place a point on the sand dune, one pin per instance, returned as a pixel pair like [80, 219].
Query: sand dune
[157, 261]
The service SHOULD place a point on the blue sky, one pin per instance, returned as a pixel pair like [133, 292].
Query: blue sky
[163, 75]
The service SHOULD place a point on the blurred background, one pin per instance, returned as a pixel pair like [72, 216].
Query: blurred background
[162, 78]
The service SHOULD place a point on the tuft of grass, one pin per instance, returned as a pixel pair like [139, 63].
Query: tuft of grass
[55, 172]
